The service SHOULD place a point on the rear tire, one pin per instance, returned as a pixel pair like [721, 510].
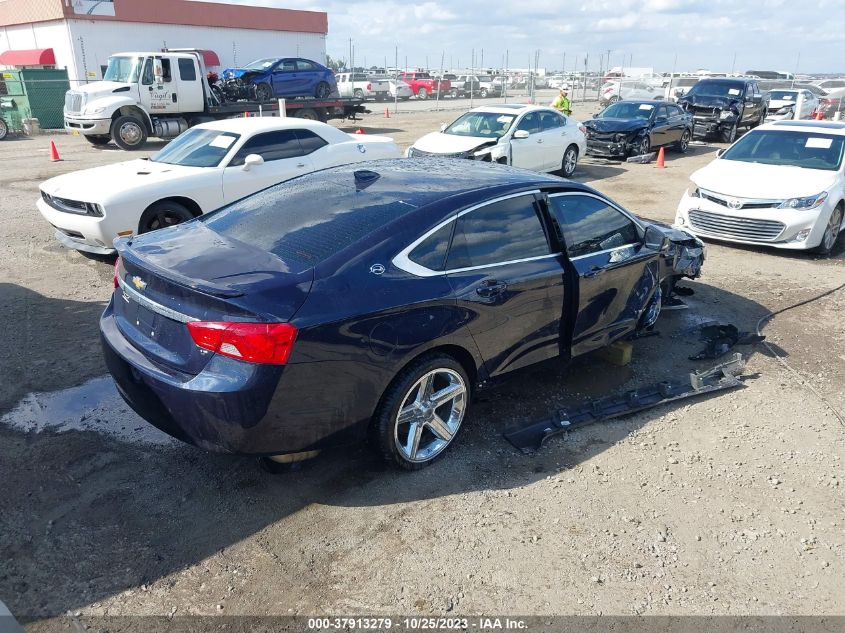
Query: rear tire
[323, 90]
[483, 93]
[128, 133]
[358, 94]
[422, 94]
[569, 162]
[453, 93]
[425, 428]
[307, 113]
[99, 140]
[163, 214]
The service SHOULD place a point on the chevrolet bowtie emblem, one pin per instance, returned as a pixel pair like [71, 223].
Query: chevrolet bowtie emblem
[139, 283]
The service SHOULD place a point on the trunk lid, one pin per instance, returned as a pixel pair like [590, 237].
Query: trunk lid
[191, 273]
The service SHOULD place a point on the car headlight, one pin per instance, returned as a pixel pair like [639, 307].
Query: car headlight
[727, 114]
[618, 138]
[95, 110]
[810, 202]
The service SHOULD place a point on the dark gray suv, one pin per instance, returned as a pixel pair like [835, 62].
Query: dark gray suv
[720, 106]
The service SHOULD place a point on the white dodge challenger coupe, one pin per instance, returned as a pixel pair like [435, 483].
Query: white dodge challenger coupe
[201, 170]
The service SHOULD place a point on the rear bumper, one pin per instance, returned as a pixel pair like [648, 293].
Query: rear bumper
[231, 406]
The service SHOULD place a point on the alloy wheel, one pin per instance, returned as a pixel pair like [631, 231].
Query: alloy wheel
[685, 141]
[430, 415]
[831, 233]
[570, 161]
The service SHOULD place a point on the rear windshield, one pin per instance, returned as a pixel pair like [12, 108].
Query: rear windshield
[309, 219]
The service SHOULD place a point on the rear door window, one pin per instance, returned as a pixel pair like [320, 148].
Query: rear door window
[551, 120]
[499, 232]
[431, 252]
[309, 141]
[187, 70]
[530, 123]
[590, 225]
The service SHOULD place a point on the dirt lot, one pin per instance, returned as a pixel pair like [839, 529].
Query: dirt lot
[733, 504]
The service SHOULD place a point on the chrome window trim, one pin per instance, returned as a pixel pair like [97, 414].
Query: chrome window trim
[152, 305]
[608, 202]
[606, 250]
[403, 262]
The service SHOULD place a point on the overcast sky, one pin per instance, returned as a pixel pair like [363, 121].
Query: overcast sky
[763, 34]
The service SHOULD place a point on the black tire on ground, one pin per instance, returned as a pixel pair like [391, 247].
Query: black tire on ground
[128, 133]
[569, 162]
[4, 129]
[728, 134]
[397, 440]
[644, 147]
[162, 214]
[831, 233]
[263, 92]
[307, 113]
[683, 144]
[422, 94]
[323, 90]
[98, 139]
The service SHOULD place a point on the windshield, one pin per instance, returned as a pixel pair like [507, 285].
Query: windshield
[628, 110]
[490, 124]
[810, 150]
[123, 69]
[261, 64]
[729, 89]
[782, 95]
[197, 147]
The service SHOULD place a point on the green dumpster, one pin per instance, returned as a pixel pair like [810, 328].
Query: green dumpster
[38, 93]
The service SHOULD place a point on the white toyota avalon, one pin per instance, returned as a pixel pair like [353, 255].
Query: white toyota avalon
[780, 185]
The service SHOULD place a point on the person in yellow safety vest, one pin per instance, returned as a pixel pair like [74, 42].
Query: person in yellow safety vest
[562, 103]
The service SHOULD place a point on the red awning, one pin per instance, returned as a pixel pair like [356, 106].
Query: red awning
[210, 58]
[34, 57]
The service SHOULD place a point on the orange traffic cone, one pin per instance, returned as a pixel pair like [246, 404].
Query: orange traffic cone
[661, 158]
[54, 152]
[387, 113]
[360, 130]
[246, 115]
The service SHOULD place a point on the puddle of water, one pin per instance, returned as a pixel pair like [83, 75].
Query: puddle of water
[93, 406]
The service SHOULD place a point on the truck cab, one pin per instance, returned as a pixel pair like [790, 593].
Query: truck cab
[142, 94]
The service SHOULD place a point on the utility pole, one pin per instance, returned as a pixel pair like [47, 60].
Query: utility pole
[733, 64]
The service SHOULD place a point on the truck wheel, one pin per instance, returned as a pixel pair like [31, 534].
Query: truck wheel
[422, 94]
[163, 214]
[323, 90]
[4, 129]
[307, 113]
[358, 94]
[128, 133]
[728, 135]
[483, 93]
[98, 139]
[263, 92]
[453, 93]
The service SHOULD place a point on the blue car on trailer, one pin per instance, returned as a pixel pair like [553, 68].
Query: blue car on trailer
[371, 300]
[285, 77]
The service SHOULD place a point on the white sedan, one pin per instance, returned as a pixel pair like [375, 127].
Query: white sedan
[782, 104]
[528, 136]
[204, 168]
[780, 185]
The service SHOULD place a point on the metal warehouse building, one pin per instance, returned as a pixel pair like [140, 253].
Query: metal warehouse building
[79, 35]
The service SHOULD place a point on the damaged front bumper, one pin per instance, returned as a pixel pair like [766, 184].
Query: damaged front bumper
[708, 127]
[611, 148]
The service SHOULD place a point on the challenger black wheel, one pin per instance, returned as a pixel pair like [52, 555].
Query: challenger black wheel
[422, 411]
[263, 92]
[163, 214]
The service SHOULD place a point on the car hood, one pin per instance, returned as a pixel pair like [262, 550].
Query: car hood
[615, 125]
[753, 180]
[439, 143]
[709, 102]
[240, 72]
[99, 183]
[777, 104]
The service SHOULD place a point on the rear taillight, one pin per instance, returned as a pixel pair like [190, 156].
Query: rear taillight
[268, 343]
[116, 272]
[369, 87]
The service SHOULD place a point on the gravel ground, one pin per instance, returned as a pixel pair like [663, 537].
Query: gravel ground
[727, 505]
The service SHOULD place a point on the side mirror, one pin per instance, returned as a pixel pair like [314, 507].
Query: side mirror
[720, 152]
[253, 160]
[521, 134]
[655, 239]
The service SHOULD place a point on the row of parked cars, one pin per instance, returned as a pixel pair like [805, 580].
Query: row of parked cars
[368, 298]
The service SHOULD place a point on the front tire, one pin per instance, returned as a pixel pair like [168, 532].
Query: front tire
[163, 214]
[683, 144]
[128, 133]
[483, 93]
[422, 94]
[570, 161]
[728, 135]
[263, 93]
[421, 412]
[358, 94]
[831, 233]
[643, 148]
[453, 93]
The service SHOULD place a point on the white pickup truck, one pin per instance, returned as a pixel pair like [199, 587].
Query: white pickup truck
[361, 86]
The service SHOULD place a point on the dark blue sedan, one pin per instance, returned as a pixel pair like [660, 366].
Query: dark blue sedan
[371, 300]
[285, 77]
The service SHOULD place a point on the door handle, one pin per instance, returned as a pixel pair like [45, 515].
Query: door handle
[491, 288]
[594, 271]
[539, 140]
[300, 164]
[174, 97]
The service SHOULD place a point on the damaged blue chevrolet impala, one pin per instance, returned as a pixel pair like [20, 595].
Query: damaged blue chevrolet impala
[371, 300]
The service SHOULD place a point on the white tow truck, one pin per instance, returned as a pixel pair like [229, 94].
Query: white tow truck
[164, 93]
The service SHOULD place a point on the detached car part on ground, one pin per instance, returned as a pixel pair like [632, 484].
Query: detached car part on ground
[531, 137]
[780, 185]
[203, 169]
[278, 326]
[634, 128]
[266, 79]
[721, 106]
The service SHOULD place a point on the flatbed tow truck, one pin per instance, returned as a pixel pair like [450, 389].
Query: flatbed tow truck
[162, 94]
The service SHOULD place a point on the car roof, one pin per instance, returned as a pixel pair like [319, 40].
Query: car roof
[511, 108]
[654, 102]
[822, 127]
[251, 125]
